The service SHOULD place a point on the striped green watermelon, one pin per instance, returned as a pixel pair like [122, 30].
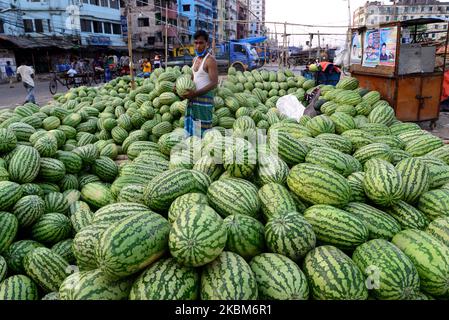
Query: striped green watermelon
[408, 216]
[118, 211]
[51, 170]
[64, 249]
[132, 193]
[318, 185]
[9, 226]
[355, 181]
[229, 277]
[97, 195]
[240, 159]
[16, 252]
[28, 210]
[342, 121]
[430, 257]
[51, 123]
[358, 138]
[56, 202]
[51, 228]
[24, 165]
[332, 275]
[81, 217]
[415, 178]
[46, 268]
[331, 159]
[167, 186]
[72, 162]
[23, 131]
[376, 129]
[47, 145]
[287, 148]
[85, 243]
[234, 196]
[441, 153]
[290, 234]
[423, 145]
[434, 203]
[337, 142]
[379, 224]
[392, 275]
[93, 285]
[382, 114]
[159, 279]
[3, 268]
[8, 140]
[279, 278]
[439, 229]
[373, 151]
[10, 193]
[371, 97]
[88, 153]
[105, 168]
[401, 127]
[383, 183]
[336, 227]
[245, 235]
[320, 124]
[192, 245]
[275, 199]
[18, 287]
[147, 235]
[182, 203]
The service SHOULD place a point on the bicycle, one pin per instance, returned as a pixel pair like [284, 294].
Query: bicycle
[67, 82]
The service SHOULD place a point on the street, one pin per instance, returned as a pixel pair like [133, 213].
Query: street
[11, 97]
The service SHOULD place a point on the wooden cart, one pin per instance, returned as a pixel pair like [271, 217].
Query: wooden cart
[405, 74]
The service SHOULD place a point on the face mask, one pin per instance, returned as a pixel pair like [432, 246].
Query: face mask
[201, 54]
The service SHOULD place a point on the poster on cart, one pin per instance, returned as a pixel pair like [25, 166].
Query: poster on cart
[388, 40]
[371, 52]
[356, 48]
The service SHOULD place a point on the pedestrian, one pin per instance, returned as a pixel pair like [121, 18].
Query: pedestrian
[27, 75]
[9, 73]
[146, 68]
[157, 61]
[198, 116]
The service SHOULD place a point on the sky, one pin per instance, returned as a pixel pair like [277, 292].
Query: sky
[311, 12]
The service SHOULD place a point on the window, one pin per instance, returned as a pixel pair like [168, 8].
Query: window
[430, 9]
[116, 28]
[107, 27]
[158, 17]
[28, 25]
[86, 1]
[141, 3]
[437, 26]
[114, 4]
[387, 19]
[186, 7]
[95, 2]
[2, 28]
[433, 35]
[86, 25]
[38, 25]
[150, 41]
[49, 25]
[98, 26]
[104, 3]
[143, 22]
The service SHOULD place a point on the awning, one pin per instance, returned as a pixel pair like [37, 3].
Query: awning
[252, 40]
[35, 43]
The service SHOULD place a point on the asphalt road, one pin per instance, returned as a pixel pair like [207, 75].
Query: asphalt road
[12, 97]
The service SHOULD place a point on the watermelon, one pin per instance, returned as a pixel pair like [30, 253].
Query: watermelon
[332, 275]
[159, 279]
[8, 140]
[245, 235]
[240, 159]
[337, 142]
[391, 274]
[184, 202]
[51, 170]
[28, 210]
[64, 249]
[117, 211]
[423, 145]
[24, 165]
[287, 148]
[16, 252]
[93, 285]
[373, 151]
[56, 202]
[383, 183]
[408, 216]
[382, 114]
[439, 229]
[355, 181]
[320, 124]
[167, 186]
[279, 278]
[379, 224]
[275, 199]
[415, 178]
[317, 185]
[3, 268]
[85, 243]
[147, 235]
[97, 195]
[234, 196]
[434, 203]
[192, 246]
[336, 227]
[290, 234]
[46, 268]
[51, 228]
[430, 257]
[229, 277]
[18, 287]
[331, 159]
[9, 226]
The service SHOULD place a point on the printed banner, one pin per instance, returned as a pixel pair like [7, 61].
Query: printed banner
[388, 39]
[356, 48]
[371, 52]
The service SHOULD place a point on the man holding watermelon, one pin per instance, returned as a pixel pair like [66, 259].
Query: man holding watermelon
[198, 117]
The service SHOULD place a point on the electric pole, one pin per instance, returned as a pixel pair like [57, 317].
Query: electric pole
[130, 43]
[166, 34]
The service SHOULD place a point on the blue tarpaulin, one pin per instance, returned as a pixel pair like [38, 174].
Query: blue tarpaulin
[252, 40]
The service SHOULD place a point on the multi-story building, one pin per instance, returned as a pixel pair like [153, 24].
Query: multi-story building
[47, 32]
[200, 14]
[243, 19]
[257, 13]
[375, 12]
[231, 19]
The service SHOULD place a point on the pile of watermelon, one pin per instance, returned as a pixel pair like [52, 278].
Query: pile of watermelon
[104, 197]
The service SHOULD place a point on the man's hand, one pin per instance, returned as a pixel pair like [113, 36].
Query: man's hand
[191, 94]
